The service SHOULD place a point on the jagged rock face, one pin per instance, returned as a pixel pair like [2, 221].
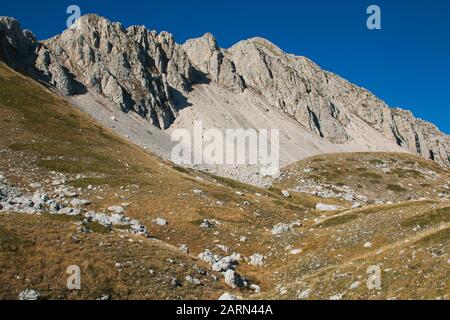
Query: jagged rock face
[106, 60]
[323, 102]
[292, 84]
[17, 46]
[420, 137]
[168, 57]
[148, 73]
[206, 55]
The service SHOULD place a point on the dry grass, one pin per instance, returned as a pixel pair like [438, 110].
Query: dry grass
[40, 133]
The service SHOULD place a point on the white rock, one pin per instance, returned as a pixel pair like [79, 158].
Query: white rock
[236, 257]
[285, 193]
[326, 207]
[69, 211]
[138, 228]
[197, 191]
[29, 294]
[116, 209]
[79, 202]
[223, 248]
[356, 205]
[337, 296]
[193, 280]
[208, 257]
[304, 294]
[296, 251]
[117, 219]
[35, 185]
[280, 228]
[355, 285]
[224, 264]
[161, 221]
[367, 244]
[282, 291]
[206, 224]
[257, 260]
[255, 288]
[184, 248]
[233, 279]
[229, 297]
[348, 197]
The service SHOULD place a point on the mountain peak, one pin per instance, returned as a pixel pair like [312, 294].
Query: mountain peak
[6, 21]
[93, 19]
[140, 71]
[206, 41]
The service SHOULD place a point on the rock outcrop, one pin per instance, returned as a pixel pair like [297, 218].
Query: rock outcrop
[323, 102]
[17, 46]
[140, 71]
[206, 55]
[107, 61]
[293, 84]
[167, 56]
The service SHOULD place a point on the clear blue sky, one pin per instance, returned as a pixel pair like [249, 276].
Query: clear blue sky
[407, 63]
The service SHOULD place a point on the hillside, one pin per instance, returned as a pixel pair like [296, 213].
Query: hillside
[73, 192]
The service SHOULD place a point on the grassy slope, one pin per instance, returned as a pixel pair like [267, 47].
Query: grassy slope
[379, 176]
[41, 133]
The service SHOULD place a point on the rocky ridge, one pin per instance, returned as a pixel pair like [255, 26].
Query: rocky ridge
[149, 74]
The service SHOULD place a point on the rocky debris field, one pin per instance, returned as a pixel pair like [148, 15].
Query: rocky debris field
[63, 200]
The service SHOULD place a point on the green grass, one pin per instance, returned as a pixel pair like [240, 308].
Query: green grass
[406, 173]
[51, 128]
[98, 228]
[371, 176]
[440, 237]
[331, 222]
[429, 218]
[289, 205]
[376, 161]
[9, 240]
[64, 217]
[180, 169]
[395, 188]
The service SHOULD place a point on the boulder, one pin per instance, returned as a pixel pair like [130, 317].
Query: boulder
[29, 294]
[233, 279]
[326, 207]
[230, 297]
[257, 260]
[280, 228]
[161, 221]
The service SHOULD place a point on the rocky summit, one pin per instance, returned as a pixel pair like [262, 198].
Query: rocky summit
[138, 71]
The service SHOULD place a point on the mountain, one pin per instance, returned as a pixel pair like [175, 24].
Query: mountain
[110, 71]
[148, 74]
[75, 191]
